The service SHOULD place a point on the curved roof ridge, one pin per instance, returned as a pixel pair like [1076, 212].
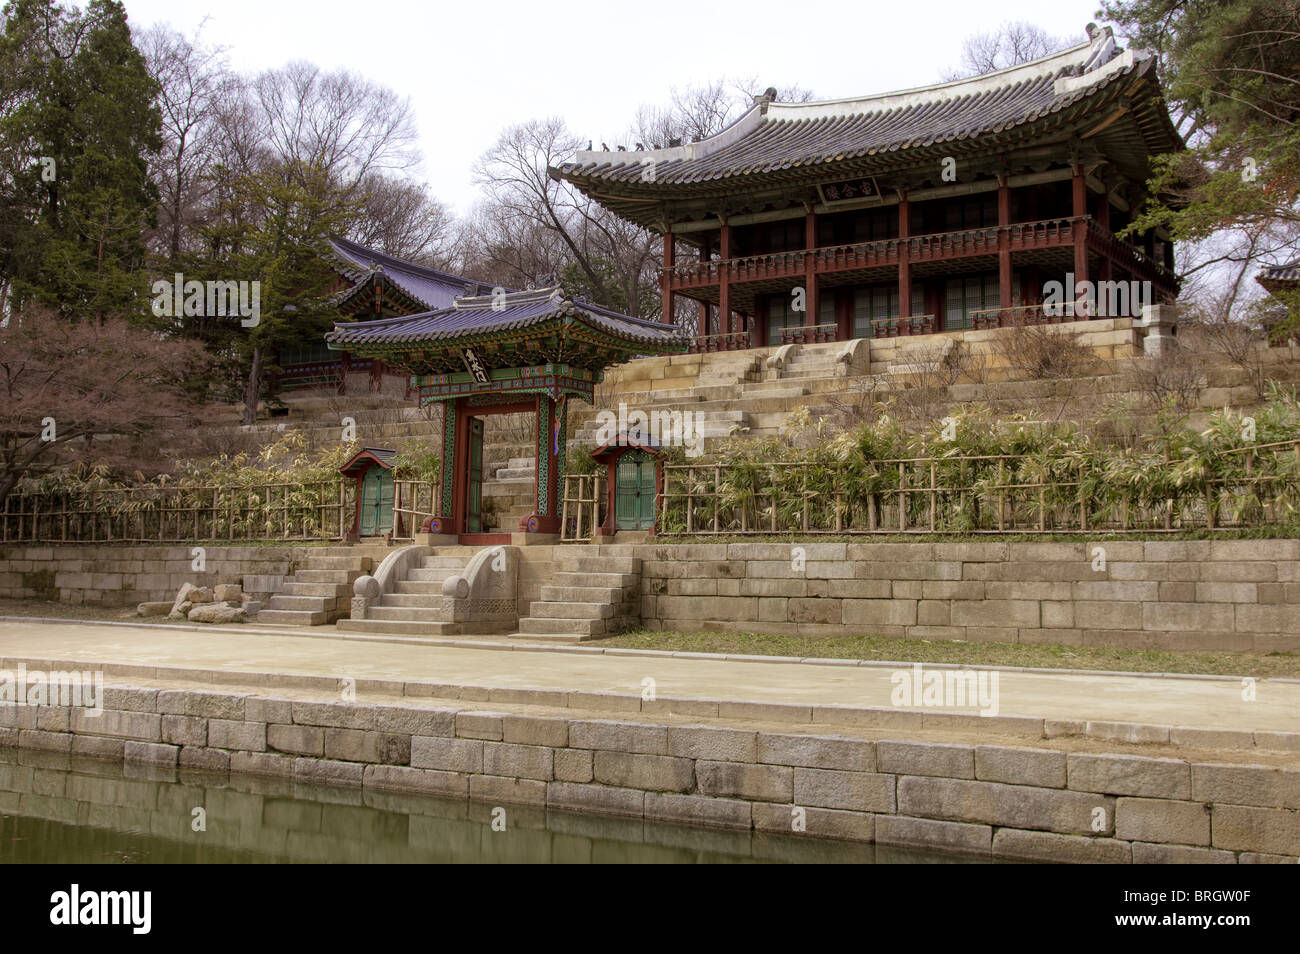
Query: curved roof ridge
[350, 248]
[1048, 65]
[1098, 54]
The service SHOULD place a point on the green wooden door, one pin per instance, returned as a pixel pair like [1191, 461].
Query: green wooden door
[634, 491]
[474, 486]
[376, 502]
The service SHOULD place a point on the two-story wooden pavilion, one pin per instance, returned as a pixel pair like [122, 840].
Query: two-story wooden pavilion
[945, 207]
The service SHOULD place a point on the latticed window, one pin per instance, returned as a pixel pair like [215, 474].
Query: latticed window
[874, 304]
[967, 295]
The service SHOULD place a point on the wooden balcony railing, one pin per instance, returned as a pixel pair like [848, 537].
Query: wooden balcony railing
[809, 334]
[731, 341]
[941, 246]
[1033, 315]
[902, 327]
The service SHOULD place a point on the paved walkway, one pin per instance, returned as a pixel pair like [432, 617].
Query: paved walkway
[1200, 702]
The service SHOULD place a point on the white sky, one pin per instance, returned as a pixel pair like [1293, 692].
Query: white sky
[473, 68]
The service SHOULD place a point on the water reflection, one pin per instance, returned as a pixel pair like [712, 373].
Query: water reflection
[61, 809]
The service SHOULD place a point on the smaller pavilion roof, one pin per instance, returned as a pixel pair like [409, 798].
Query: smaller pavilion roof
[470, 318]
[422, 287]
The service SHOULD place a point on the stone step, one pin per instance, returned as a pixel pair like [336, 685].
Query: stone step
[444, 561]
[765, 393]
[522, 463]
[422, 600]
[515, 473]
[310, 604]
[571, 627]
[434, 575]
[293, 587]
[395, 627]
[315, 562]
[326, 576]
[585, 594]
[418, 614]
[292, 617]
[587, 578]
[541, 609]
[419, 587]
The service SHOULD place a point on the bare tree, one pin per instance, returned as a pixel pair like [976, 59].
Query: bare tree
[401, 218]
[1008, 45]
[337, 121]
[193, 80]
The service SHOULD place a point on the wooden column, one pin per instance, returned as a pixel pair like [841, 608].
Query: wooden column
[810, 260]
[904, 265]
[1079, 208]
[1004, 244]
[670, 256]
[548, 479]
[724, 286]
[451, 479]
[1105, 271]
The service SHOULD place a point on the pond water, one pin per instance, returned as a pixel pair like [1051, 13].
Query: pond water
[60, 809]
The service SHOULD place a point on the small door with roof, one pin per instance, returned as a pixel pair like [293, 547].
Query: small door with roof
[634, 499]
[376, 502]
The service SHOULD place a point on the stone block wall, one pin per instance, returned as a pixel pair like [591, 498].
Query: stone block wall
[1155, 594]
[123, 575]
[1036, 800]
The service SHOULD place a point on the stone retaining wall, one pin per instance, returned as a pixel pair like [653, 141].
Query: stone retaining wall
[1211, 595]
[1032, 801]
[109, 574]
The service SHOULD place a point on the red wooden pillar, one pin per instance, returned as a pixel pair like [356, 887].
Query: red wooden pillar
[1079, 210]
[1105, 271]
[810, 263]
[724, 285]
[1004, 244]
[670, 255]
[904, 264]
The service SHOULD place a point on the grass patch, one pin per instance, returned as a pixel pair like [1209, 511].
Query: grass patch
[1260, 665]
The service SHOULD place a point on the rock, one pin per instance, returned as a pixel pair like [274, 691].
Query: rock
[200, 594]
[183, 596]
[181, 611]
[216, 613]
[252, 607]
[227, 593]
[153, 609]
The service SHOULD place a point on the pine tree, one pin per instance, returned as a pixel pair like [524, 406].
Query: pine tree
[77, 123]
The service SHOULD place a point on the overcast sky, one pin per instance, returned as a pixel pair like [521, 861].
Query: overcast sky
[473, 68]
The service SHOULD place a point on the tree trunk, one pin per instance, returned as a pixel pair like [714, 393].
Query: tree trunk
[253, 388]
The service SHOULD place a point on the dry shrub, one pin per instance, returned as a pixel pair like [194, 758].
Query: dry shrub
[1037, 352]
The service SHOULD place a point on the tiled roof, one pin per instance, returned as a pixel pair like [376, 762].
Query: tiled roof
[775, 141]
[426, 286]
[1288, 272]
[470, 316]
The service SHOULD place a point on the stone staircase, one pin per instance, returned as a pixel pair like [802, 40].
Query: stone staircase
[415, 607]
[319, 593]
[590, 597]
[511, 488]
